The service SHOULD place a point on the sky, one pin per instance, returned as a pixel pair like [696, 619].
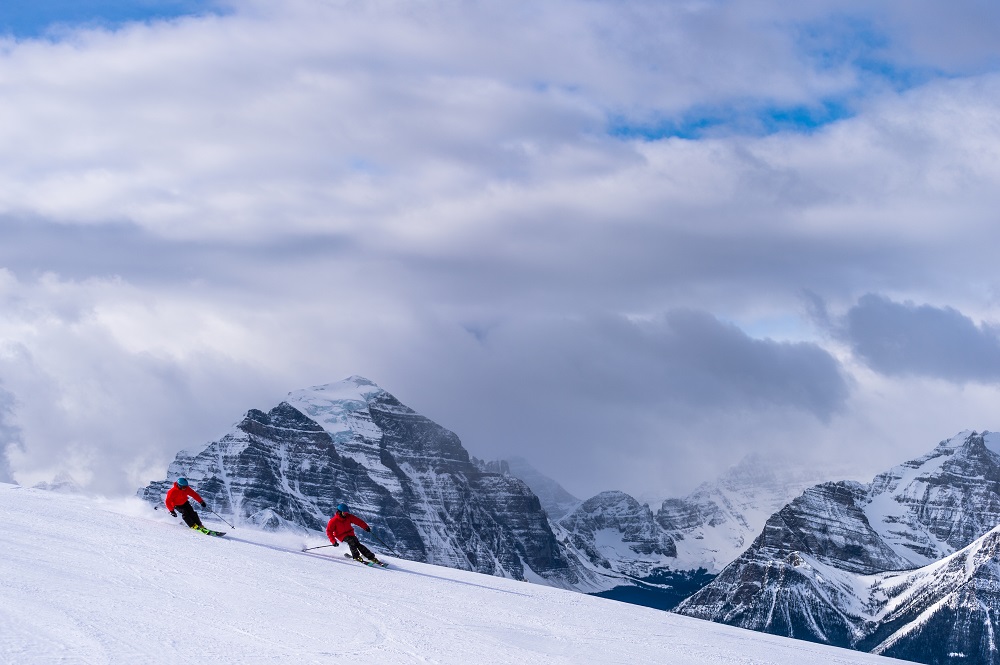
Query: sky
[630, 241]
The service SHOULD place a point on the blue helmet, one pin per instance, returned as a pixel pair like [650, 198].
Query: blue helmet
[342, 508]
[182, 482]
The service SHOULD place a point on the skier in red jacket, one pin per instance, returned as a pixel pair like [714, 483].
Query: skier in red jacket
[340, 528]
[177, 499]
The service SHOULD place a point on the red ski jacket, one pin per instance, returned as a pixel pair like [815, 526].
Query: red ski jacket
[177, 495]
[339, 526]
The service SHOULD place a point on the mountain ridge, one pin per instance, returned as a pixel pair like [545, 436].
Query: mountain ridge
[832, 564]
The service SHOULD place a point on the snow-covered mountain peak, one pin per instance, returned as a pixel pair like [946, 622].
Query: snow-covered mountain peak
[757, 472]
[409, 477]
[970, 440]
[931, 506]
[343, 408]
[905, 566]
[615, 534]
[614, 503]
[717, 521]
[354, 389]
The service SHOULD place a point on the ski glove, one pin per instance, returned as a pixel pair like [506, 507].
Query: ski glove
[336, 544]
[203, 505]
[173, 514]
[368, 528]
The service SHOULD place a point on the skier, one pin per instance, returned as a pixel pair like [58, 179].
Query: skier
[177, 499]
[339, 529]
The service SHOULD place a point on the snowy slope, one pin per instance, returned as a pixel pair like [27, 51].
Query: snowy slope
[85, 580]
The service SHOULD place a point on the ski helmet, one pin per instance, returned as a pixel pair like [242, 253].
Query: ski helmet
[342, 508]
[182, 482]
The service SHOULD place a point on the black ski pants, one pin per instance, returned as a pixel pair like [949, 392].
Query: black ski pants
[187, 512]
[357, 549]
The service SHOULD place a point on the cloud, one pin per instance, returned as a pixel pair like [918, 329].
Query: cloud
[610, 402]
[10, 435]
[311, 112]
[198, 215]
[905, 339]
[114, 379]
[111, 381]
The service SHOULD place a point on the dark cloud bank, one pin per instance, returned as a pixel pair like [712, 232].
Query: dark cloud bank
[905, 339]
[611, 402]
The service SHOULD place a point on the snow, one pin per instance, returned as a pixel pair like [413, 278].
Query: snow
[890, 512]
[335, 407]
[745, 497]
[89, 580]
[992, 441]
[342, 410]
[613, 546]
[893, 521]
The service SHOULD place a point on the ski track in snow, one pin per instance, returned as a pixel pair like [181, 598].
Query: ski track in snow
[94, 581]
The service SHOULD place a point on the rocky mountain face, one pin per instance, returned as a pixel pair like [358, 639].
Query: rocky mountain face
[705, 530]
[715, 523]
[947, 612]
[618, 534]
[410, 478]
[943, 613]
[827, 567]
[659, 558]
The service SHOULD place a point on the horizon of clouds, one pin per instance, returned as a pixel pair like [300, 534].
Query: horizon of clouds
[615, 221]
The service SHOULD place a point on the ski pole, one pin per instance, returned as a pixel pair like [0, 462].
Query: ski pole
[318, 547]
[219, 516]
[384, 544]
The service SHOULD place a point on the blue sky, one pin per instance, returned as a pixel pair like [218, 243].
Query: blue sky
[678, 232]
[30, 19]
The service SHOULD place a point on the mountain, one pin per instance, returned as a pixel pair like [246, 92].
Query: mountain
[660, 558]
[719, 519]
[630, 557]
[556, 501]
[127, 585]
[428, 500]
[409, 477]
[613, 532]
[947, 612]
[826, 567]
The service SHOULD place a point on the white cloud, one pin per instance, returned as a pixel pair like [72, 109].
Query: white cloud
[199, 215]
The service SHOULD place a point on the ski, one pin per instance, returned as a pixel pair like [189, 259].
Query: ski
[371, 564]
[207, 531]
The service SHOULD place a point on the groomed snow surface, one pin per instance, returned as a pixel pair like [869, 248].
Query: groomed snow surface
[89, 580]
